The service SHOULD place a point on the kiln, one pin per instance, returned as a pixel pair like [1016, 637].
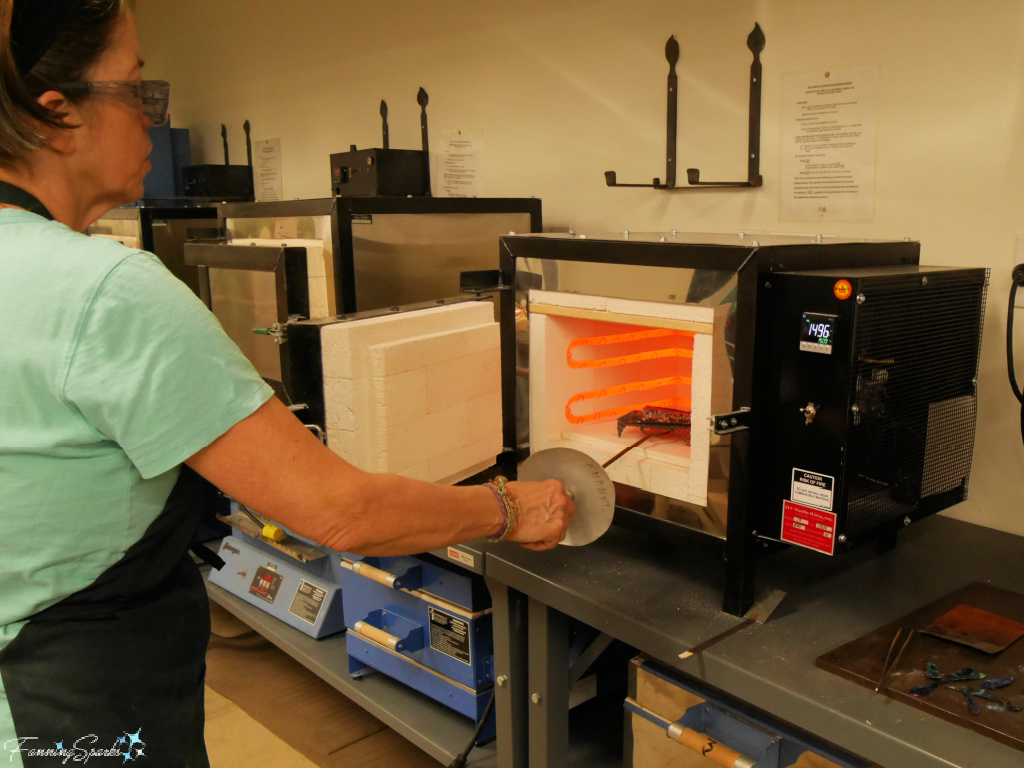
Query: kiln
[830, 385]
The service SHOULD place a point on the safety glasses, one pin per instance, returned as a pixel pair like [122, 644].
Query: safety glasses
[148, 96]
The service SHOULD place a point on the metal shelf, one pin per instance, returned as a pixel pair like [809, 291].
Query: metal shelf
[434, 728]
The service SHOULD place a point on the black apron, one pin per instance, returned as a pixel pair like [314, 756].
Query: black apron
[119, 666]
[17, 196]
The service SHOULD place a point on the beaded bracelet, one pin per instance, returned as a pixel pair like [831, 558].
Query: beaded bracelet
[504, 515]
[510, 508]
[513, 503]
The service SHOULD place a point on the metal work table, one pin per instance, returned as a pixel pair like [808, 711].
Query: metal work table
[664, 597]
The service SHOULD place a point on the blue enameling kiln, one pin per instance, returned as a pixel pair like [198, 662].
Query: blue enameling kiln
[424, 623]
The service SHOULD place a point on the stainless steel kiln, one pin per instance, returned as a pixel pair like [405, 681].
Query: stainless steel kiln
[380, 252]
[831, 384]
[159, 230]
[357, 254]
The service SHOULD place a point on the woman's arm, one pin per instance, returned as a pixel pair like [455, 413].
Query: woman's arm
[273, 464]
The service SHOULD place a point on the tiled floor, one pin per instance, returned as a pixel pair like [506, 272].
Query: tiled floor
[265, 710]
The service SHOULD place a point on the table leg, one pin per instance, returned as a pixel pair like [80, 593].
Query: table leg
[510, 675]
[549, 686]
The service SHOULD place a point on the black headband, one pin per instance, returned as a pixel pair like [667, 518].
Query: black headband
[35, 26]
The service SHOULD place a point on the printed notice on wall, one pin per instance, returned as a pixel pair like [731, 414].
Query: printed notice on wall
[459, 164]
[829, 120]
[266, 172]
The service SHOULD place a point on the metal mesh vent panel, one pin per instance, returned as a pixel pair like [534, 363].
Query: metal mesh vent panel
[915, 361]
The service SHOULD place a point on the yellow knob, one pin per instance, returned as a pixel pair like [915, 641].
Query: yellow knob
[273, 533]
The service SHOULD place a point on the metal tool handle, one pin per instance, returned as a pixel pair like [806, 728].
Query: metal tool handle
[378, 636]
[379, 575]
[708, 747]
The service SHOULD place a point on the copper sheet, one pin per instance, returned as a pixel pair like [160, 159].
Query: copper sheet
[984, 630]
[862, 659]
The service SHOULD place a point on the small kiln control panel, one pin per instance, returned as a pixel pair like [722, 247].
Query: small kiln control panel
[817, 332]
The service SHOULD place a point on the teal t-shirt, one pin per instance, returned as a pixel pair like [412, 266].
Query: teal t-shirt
[112, 373]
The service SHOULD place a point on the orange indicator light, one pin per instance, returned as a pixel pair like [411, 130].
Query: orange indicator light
[842, 289]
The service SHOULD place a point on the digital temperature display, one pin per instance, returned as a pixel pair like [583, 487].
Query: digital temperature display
[817, 333]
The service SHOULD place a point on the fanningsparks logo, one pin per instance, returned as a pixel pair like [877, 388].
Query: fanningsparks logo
[128, 746]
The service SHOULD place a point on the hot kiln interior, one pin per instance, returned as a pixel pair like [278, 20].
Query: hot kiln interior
[594, 359]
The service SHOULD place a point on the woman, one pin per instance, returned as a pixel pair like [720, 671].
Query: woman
[113, 377]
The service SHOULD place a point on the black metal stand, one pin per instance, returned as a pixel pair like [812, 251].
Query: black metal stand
[755, 42]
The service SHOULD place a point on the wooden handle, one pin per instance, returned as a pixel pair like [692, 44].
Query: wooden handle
[374, 574]
[378, 636]
[711, 749]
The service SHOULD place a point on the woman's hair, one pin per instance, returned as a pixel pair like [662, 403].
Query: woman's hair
[86, 34]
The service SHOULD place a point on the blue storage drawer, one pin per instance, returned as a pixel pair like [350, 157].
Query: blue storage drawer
[418, 625]
[364, 654]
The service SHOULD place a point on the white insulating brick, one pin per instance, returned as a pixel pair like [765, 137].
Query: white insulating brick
[596, 447]
[674, 452]
[472, 313]
[625, 471]
[483, 451]
[662, 310]
[437, 433]
[667, 480]
[399, 398]
[420, 472]
[462, 474]
[388, 359]
[409, 443]
[571, 300]
[318, 297]
[341, 403]
[314, 257]
[336, 352]
[697, 480]
[700, 389]
[380, 422]
[662, 472]
[344, 345]
[351, 446]
[700, 436]
[467, 378]
[538, 411]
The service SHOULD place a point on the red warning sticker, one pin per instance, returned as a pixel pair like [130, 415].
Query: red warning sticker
[809, 527]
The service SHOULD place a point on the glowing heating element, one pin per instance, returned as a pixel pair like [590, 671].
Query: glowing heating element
[628, 338]
[642, 353]
[633, 337]
[680, 403]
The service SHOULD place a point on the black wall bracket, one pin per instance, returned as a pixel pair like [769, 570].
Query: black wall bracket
[755, 42]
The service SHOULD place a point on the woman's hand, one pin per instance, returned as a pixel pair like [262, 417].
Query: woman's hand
[546, 512]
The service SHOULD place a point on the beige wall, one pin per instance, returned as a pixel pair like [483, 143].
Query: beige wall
[563, 90]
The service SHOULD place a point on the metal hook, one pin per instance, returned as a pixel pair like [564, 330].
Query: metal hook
[756, 43]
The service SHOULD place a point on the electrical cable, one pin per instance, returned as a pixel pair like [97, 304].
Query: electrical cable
[460, 759]
[1018, 280]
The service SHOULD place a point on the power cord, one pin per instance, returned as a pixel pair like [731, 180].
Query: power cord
[460, 759]
[1018, 280]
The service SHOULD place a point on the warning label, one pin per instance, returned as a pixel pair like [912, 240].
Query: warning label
[265, 584]
[812, 488]
[449, 634]
[308, 601]
[808, 527]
